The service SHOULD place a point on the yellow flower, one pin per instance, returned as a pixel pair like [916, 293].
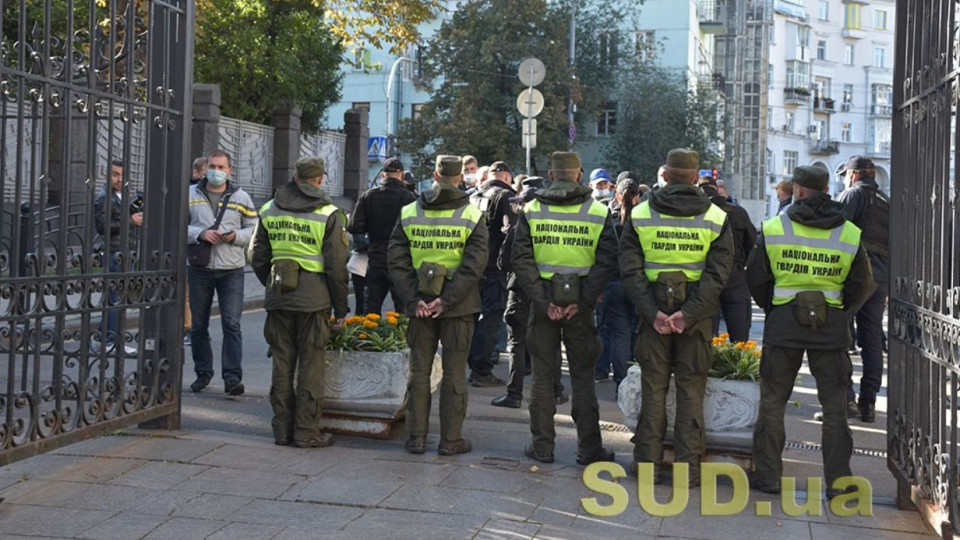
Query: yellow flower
[757, 353]
[362, 336]
[353, 320]
[370, 324]
[751, 345]
[724, 336]
[373, 317]
[393, 314]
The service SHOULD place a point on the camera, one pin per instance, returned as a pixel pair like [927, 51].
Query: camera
[136, 205]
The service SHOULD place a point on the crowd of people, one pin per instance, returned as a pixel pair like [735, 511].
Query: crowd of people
[611, 271]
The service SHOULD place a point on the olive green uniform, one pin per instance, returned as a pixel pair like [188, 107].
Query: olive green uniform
[297, 325]
[453, 329]
[687, 356]
[578, 334]
[784, 342]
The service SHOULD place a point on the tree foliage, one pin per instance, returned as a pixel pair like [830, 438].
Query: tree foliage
[379, 22]
[473, 62]
[659, 111]
[267, 53]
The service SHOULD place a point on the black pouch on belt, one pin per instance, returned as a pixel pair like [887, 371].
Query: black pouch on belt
[285, 275]
[810, 309]
[566, 289]
[671, 291]
[431, 278]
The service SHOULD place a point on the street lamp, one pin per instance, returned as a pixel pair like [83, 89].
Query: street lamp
[393, 74]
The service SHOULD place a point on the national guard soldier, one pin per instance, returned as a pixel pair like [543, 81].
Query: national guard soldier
[437, 255]
[808, 273]
[675, 257]
[564, 252]
[300, 253]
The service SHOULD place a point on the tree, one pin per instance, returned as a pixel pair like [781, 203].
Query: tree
[473, 62]
[265, 53]
[663, 112]
[379, 22]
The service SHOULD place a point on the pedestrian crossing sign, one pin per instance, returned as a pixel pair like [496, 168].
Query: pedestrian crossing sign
[376, 148]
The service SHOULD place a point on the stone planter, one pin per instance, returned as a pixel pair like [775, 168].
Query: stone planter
[365, 393]
[730, 410]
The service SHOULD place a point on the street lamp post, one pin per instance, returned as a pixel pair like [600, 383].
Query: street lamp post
[393, 74]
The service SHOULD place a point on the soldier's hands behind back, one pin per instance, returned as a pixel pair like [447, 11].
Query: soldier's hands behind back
[422, 310]
[677, 322]
[571, 311]
[554, 312]
[435, 307]
[661, 324]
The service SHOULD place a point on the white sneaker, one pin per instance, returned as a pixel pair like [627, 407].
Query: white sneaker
[131, 350]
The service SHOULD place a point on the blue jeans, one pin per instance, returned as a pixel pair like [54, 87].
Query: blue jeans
[112, 317]
[616, 321]
[493, 295]
[228, 285]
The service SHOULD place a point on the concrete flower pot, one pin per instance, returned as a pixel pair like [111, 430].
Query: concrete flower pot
[365, 393]
[730, 410]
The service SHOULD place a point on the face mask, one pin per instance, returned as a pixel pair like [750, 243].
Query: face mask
[216, 178]
[661, 182]
[469, 179]
[603, 193]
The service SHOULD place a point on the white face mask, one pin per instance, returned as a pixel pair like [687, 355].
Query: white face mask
[470, 179]
[216, 178]
[602, 193]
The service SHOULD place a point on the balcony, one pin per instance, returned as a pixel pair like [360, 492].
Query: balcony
[711, 16]
[881, 110]
[823, 105]
[825, 148]
[879, 150]
[796, 96]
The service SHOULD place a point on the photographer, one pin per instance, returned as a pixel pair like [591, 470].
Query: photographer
[108, 222]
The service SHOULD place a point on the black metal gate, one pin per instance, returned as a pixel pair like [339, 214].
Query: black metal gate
[925, 293]
[91, 303]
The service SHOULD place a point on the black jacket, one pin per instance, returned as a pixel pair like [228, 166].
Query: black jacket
[118, 213]
[869, 208]
[493, 199]
[781, 327]
[377, 213]
[744, 236]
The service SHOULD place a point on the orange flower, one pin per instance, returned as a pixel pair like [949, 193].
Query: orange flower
[362, 336]
[392, 321]
[353, 320]
[370, 324]
[393, 314]
[373, 317]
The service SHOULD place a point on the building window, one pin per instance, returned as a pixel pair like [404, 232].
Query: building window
[848, 55]
[879, 57]
[416, 110]
[822, 49]
[881, 99]
[789, 162]
[846, 132]
[880, 136]
[607, 121]
[364, 105]
[770, 118]
[788, 123]
[797, 74]
[608, 48]
[819, 129]
[880, 19]
[823, 10]
[852, 16]
[848, 94]
[646, 45]
[773, 32]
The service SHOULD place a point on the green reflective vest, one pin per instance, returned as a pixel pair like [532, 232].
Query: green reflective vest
[438, 236]
[804, 258]
[565, 237]
[676, 243]
[296, 236]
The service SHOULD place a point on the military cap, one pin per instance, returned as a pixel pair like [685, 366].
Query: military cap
[393, 165]
[500, 166]
[811, 177]
[309, 167]
[532, 182]
[449, 165]
[565, 160]
[855, 163]
[683, 158]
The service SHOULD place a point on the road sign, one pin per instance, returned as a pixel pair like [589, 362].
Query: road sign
[376, 148]
[530, 102]
[530, 132]
[531, 72]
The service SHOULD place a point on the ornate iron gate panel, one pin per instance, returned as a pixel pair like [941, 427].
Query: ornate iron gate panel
[88, 290]
[925, 244]
[251, 146]
[332, 147]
